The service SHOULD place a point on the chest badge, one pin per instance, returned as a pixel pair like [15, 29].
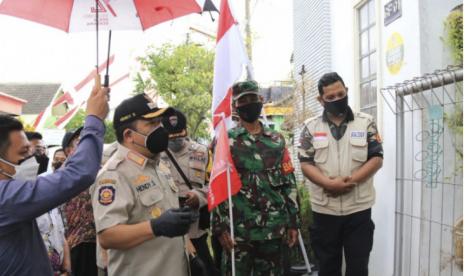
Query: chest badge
[357, 134]
[320, 136]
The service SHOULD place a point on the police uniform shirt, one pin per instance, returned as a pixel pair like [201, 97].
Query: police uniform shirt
[131, 189]
[194, 160]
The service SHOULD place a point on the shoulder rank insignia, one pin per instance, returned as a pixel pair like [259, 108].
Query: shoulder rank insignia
[139, 160]
[107, 181]
[106, 195]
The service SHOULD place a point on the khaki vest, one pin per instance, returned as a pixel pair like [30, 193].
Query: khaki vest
[340, 158]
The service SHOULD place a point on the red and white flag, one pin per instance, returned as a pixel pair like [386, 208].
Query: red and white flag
[230, 59]
[68, 100]
[222, 162]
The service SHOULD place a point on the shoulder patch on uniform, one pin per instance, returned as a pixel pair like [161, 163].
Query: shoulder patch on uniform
[106, 195]
[286, 165]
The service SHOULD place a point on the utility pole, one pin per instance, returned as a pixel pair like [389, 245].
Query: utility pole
[248, 34]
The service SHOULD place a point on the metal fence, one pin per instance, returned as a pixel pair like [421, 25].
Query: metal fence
[429, 173]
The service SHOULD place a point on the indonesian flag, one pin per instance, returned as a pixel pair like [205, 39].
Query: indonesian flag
[222, 162]
[230, 59]
[67, 101]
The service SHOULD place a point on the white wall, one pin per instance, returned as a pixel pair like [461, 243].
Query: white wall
[342, 46]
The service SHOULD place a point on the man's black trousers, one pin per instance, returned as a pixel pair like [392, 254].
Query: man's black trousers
[352, 233]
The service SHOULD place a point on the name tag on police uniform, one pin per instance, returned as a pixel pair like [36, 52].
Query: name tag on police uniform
[145, 186]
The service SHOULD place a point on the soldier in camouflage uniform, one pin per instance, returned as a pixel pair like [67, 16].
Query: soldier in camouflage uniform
[265, 209]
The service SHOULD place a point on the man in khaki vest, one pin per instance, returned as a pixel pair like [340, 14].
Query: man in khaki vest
[135, 200]
[339, 152]
[195, 161]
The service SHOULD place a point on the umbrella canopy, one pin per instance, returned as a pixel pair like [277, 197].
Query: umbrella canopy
[80, 15]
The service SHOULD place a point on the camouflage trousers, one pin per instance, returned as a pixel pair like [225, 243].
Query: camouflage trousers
[267, 257]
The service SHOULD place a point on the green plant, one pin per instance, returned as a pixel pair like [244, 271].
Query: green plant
[306, 217]
[454, 34]
[183, 76]
[78, 121]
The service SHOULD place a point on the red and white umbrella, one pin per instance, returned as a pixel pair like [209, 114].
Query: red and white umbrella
[80, 15]
[90, 15]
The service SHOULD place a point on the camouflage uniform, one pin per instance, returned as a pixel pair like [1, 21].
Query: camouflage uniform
[264, 208]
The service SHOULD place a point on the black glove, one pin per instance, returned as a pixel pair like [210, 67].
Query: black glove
[174, 222]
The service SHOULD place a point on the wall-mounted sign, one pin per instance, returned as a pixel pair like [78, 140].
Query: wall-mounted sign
[392, 11]
[395, 53]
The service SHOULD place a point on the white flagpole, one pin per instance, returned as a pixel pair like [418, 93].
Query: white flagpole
[304, 253]
[231, 224]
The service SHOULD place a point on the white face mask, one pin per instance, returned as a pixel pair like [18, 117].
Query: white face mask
[8, 163]
[27, 170]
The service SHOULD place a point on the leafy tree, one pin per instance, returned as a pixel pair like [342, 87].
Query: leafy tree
[78, 121]
[183, 76]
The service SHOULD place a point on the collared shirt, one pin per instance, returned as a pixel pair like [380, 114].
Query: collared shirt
[338, 131]
[131, 189]
[80, 220]
[307, 151]
[22, 248]
[53, 232]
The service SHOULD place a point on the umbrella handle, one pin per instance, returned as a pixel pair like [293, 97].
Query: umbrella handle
[97, 81]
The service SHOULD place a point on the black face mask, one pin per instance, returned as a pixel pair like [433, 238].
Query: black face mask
[157, 140]
[176, 144]
[250, 112]
[337, 108]
[56, 165]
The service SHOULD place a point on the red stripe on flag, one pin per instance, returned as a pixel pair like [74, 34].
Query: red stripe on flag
[222, 162]
[66, 116]
[65, 98]
[91, 75]
[226, 20]
[39, 117]
[224, 107]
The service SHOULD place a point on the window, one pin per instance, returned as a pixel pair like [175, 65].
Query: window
[367, 57]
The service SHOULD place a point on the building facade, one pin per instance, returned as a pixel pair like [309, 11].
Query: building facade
[380, 47]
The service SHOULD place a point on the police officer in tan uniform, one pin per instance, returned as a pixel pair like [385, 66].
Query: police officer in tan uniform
[195, 161]
[135, 199]
[340, 151]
